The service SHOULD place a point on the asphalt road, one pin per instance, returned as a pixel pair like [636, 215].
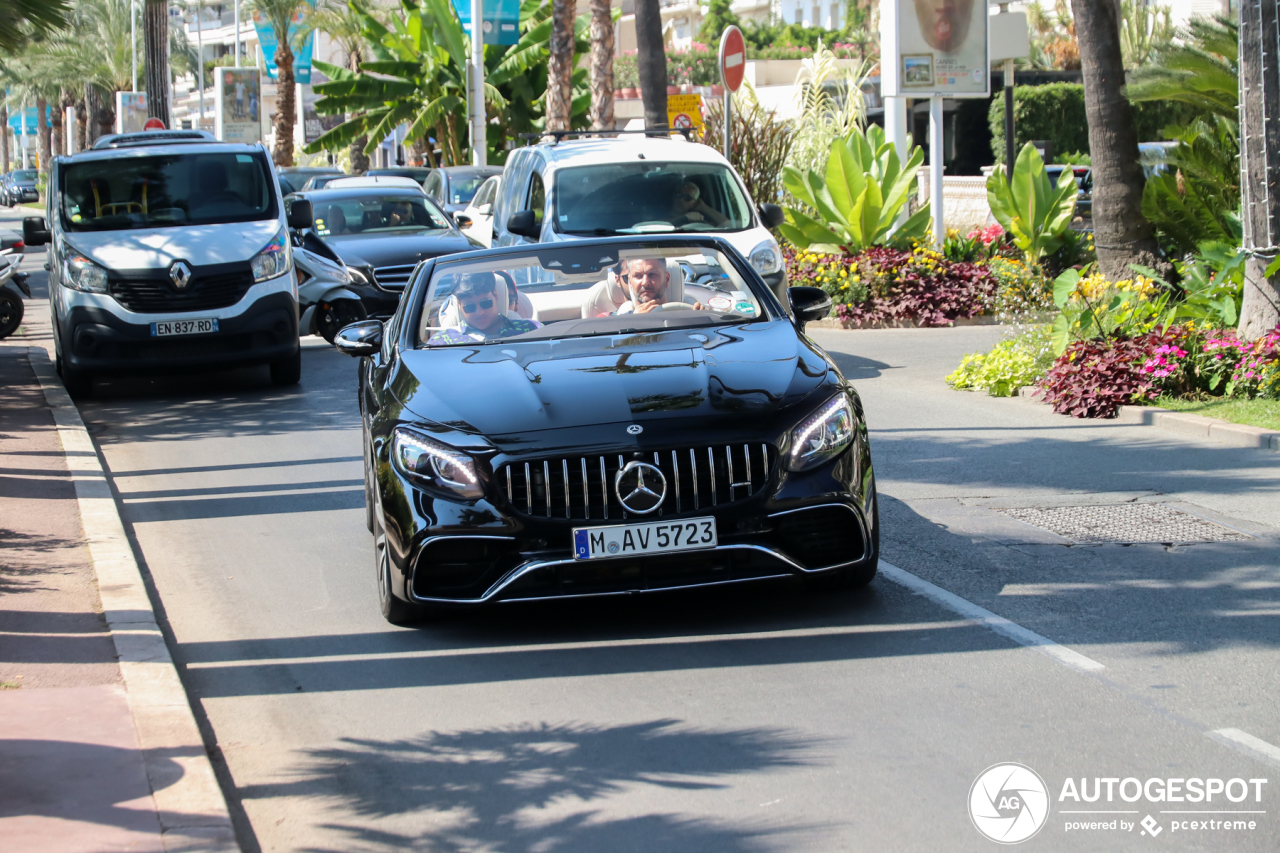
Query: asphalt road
[756, 719]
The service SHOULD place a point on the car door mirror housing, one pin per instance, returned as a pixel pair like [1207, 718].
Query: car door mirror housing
[525, 224]
[359, 339]
[35, 231]
[771, 215]
[809, 304]
[300, 215]
[462, 219]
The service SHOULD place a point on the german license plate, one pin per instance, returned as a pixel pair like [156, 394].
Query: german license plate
[652, 537]
[184, 327]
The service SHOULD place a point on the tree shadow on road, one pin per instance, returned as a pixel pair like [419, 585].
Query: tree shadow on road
[541, 787]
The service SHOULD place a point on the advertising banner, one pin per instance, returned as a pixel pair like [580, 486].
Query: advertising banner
[237, 98]
[935, 48]
[131, 112]
[312, 123]
[301, 54]
[501, 19]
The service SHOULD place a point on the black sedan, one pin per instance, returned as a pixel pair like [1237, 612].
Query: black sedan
[381, 234]
[694, 437]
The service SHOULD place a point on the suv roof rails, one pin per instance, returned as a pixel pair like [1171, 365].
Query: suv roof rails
[557, 136]
[152, 137]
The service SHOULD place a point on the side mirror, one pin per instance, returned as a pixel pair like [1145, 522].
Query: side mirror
[808, 304]
[462, 219]
[771, 215]
[35, 231]
[525, 224]
[300, 215]
[359, 339]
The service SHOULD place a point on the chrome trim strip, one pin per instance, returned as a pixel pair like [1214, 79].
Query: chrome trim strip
[509, 486]
[621, 464]
[857, 515]
[528, 490]
[711, 460]
[546, 484]
[651, 590]
[764, 451]
[604, 488]
[728, 458]
[693, 462]
[586, 493]
[417, 557]
[657, 464]
[675, 468]
[746, 455]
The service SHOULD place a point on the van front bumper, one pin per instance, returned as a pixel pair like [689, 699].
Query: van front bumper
[96, 339]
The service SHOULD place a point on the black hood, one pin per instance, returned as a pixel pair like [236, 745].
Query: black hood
[727, 373]
[398, 249]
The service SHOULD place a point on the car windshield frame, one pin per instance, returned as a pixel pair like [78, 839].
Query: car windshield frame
[133, 190]
[737, 274]
[669, 177]
[346, 198]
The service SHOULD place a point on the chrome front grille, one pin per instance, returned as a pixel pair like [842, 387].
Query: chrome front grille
[581, 487]
[395, 277]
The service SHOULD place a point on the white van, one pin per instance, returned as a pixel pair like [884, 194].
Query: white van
[633, 184]
[170, 251]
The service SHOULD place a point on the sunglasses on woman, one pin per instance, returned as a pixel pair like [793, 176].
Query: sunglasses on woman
[470, 307]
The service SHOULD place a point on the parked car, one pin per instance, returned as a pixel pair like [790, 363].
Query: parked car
[1084, 186]
[417, 173]
[296, 177]
[19, 187]
[319, 182]
[168, 254]
[374, 182]
[576, 189]
[381, 233]
[453, 187]
[476, 219]
[632, 452]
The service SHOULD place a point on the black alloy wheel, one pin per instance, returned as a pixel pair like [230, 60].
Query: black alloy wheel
[331, 317]
[288, 370]
[394, 610]
[368, 487]
[11, 310]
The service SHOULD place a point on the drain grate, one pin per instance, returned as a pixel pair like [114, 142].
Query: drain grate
[1132, 523]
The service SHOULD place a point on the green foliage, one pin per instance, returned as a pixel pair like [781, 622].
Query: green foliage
[1031, 208]
[1212, 286]
[1145, 28]
[1023, 293]
[831, 106]
[719, 16]
[856, 198]
[626, 74]
[1012, 364]
[1094, 308]
[1054, 111]
[1073, 158]
[1197, 196]
[697, 66]
[762, 143]
[1200, 69]
[24, 20]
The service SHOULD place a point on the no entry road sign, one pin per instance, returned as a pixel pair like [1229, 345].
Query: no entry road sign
[733, 58]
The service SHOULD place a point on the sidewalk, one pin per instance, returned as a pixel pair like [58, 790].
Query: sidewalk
[74, 773]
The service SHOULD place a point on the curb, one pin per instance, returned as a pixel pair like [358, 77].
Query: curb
[1185, 423]
[189, 803]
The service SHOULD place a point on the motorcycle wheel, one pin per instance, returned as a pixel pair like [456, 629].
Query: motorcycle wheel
[11, 310]
[333, 316]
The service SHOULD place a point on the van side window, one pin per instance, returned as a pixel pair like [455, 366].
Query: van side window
[537, 198]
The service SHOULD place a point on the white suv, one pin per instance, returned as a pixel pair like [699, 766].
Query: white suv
[578, 188]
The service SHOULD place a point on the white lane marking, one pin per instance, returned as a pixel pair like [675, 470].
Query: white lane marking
[982, 616]
[1257, 746]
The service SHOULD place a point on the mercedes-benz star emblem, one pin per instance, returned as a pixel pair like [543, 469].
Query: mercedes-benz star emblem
[635, 429]
[641, 487]
[180, 274]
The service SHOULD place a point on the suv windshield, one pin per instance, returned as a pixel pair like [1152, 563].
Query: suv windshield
[582, 290]
[25, 175]
[376, 214]
[122, 193]
[648, 197]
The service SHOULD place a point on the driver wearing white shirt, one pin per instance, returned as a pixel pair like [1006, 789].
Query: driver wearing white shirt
[648, 279]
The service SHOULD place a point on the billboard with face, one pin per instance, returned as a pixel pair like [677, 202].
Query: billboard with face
[935, 48]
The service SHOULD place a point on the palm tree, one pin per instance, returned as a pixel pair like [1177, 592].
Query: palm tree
[155, 35]
[27, 19]
[651, 63]
[601, 65]
[1200, 69]
[1123, 235]
[560, 67]
[346, 29]
[280, 15]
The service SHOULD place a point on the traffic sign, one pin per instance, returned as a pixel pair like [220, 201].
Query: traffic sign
[154, 124]
[684, 111]
[733, 58]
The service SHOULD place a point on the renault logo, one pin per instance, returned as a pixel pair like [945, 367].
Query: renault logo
[180, 274]
[641, 487]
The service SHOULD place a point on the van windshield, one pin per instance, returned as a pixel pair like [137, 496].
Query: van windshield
[649, 198]
[126, 193]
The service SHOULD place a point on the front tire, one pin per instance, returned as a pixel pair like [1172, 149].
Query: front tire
[11, 311]
[287, 371]
[79, 383]
[395, 610]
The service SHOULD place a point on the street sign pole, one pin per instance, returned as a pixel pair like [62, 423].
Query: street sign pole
[733, 64]
[479, 144]
[936, 134]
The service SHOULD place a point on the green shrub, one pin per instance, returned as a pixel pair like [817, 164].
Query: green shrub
[1054, 111]
[1012, 364]
[1031, 208]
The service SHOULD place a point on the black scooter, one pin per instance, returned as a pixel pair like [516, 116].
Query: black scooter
[13, 286]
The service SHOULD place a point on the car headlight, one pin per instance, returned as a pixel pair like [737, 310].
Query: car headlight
[273, 260]
[80, 273]
[357, 277]
[767, 257]
[822, 435]
[430, 464]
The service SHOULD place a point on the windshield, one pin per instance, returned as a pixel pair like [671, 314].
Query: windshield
[462, 188]
[24, 175]
[376, 214]
[123, 193]
[645, 197]
[578, 290]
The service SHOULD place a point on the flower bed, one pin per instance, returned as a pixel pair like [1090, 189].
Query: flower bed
[887, 286]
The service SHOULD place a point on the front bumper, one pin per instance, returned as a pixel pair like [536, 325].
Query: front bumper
[801, 524]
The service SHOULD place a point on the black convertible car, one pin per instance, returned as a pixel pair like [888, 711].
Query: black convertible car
[694, 436]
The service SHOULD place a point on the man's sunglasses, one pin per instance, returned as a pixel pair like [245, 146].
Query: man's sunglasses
[470, 307]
